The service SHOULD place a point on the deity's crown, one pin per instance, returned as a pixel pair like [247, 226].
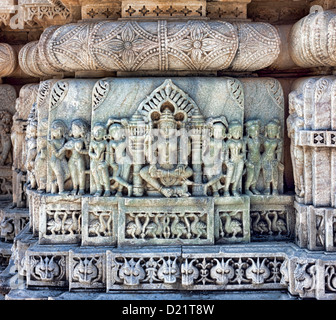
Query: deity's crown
[167, 116]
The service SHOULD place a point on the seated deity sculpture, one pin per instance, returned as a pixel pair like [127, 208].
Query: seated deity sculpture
[99, 165]
[58, 163]
[78, 145]
[271, 157]
[117, 156]
[253, 144]
[213, 151]
[168, 171]
[234, 159]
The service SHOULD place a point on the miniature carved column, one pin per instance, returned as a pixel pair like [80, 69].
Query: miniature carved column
[196, 131]
[137, 130]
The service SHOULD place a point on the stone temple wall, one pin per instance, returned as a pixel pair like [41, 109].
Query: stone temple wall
[169, 147]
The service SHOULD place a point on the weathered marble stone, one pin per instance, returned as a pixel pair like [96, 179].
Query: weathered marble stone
[162, 45]
[23, 106]
[7, 102]
[8, 60]
[311, 40]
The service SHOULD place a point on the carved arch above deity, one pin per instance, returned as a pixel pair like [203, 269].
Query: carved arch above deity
[171, 96]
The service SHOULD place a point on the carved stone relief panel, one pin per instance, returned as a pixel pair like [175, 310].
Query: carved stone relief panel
[7, 110]
[99, 221]
[86, 270]
[272, 218]
[166, 222]
[159, 269]
[23, 137]
[225, 271]
[60, 220]
[47, 268]
[69, 137]
[232, 222]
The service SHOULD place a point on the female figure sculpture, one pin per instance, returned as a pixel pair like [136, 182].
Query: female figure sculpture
[99, 166]
[78, 144]
[58, 162]
[234, 159]
[253, 154]
[271, 157]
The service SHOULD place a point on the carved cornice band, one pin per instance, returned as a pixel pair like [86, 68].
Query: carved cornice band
[148, 46]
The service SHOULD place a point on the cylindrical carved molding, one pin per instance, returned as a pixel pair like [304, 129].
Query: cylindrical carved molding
[8, 60]
[152, 46]
[312, 39]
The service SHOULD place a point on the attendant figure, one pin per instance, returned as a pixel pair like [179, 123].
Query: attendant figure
[271, 157]
[253, 154]
[78, 145]
[234, 159]
[58, 162]
[99, 165]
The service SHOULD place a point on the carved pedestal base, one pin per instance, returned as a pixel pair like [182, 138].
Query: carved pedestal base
[268, 266]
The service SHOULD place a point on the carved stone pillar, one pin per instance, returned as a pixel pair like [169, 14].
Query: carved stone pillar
[312, 131]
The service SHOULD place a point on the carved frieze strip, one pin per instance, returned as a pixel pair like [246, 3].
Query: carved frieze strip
[152, 221]
[146, 9]
[258, 267]
[146, 46]
[316, 138]
[166, 222]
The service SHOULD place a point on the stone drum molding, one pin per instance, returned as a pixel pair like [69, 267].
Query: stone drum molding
[197, 45]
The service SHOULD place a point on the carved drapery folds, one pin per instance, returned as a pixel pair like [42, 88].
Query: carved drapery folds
[312, 39]
[145, 46]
